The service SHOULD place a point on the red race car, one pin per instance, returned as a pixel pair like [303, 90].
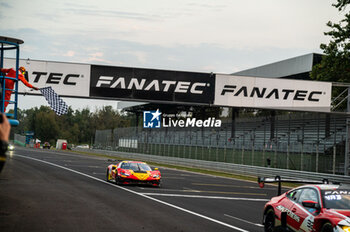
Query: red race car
[313, 207]
[133, 172]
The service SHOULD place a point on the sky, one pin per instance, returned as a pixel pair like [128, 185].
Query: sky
[221, 36]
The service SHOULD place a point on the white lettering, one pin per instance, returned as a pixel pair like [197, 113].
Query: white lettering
[143, 84]
[181, 123]
[182, 87]
[164, 123]
[121, 81]
[174, 122]
[206, 122]
[195, 85]
[277, 94]
[104, 80]
[199, 123]
[138, 85]
[154, 84]
[190, 122]
[167, 85]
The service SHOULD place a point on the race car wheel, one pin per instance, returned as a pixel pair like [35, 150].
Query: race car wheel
[327, 227]
[269, 223]
[117, 181]
[107, 176]
[157, 184]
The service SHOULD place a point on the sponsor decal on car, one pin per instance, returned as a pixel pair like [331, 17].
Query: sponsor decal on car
[289, 213]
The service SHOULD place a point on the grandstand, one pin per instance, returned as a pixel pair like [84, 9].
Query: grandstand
[306, 141]
[296, 135]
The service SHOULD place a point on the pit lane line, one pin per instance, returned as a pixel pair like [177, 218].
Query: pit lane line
[225, 185]
[183, 175]
[186, 190]
[167, 177]
[216, 198]
[136, 193]
[242, 220]
[208, 197]
[219, 192]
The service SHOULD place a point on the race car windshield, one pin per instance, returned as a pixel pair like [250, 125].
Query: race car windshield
[136, 167]
[337, 199]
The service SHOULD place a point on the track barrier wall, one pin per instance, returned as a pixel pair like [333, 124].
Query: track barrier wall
[301, 142]
[223, 167]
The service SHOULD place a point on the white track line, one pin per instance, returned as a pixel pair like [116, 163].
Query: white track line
[139, 194]
[242, 220]
[208, 197]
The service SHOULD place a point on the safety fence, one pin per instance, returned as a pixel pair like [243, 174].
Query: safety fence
[19, 140]
[224, 167]
[304, 141]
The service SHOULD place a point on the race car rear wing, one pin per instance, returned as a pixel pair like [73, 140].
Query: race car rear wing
[279, 180]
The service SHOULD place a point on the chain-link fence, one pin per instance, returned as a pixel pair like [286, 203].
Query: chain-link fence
[305, 141]
[19, 140]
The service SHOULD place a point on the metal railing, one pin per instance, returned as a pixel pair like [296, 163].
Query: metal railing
[304, 142]
[224, 167]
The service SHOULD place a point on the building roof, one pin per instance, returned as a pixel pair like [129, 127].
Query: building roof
[294, 68]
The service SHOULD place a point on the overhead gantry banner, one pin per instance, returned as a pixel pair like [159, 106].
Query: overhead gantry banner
[120, 83]
[67, 79]
[151, 85]
[272, 93]
[165, 86]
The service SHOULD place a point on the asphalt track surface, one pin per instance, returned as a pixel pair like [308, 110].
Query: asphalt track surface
[44, 190]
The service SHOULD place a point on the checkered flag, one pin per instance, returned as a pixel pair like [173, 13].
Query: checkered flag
[56, 103]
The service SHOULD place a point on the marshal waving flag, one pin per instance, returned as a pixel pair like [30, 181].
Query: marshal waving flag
[55, 101]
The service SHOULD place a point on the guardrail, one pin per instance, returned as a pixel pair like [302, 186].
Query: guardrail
[224, 167]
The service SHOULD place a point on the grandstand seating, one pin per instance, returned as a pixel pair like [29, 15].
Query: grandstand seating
[301, 132]
[298, 132]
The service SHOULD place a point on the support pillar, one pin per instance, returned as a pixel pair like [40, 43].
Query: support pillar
[272, 125]
[347, 141]
[233, 123]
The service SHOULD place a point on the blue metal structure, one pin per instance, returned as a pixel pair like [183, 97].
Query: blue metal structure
[29, 136]
[8, 44]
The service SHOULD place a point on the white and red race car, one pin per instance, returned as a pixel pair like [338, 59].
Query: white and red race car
[312, 207]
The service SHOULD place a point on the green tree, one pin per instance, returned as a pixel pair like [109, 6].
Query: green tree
[84, 121]
[335, 65]
[78, 127]
[107, 118]
[46, 126]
